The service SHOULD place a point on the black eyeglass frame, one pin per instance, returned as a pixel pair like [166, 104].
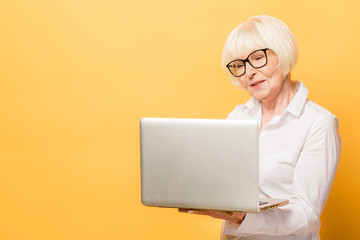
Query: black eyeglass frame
[247, 60]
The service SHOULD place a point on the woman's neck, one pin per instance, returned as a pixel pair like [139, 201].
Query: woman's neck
[281, 100]
[277, 105]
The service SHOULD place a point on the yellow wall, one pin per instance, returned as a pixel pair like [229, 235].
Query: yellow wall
[77, 75]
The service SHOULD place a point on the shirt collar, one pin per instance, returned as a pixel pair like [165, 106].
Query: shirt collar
[252, 104]
[296, 105]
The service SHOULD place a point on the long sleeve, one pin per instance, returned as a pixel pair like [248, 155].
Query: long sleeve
[313, 175]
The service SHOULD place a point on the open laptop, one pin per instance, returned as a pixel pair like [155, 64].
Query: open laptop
[201, 164]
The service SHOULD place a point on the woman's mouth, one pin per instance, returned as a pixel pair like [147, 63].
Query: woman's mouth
[257, 84]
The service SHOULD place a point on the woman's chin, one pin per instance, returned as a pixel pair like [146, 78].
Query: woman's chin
[259, 95]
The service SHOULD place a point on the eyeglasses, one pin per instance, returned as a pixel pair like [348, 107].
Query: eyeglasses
[256, 59]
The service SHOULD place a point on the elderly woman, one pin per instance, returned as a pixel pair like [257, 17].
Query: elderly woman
[299, 140]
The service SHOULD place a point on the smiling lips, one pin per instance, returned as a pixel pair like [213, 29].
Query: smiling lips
[257, 84]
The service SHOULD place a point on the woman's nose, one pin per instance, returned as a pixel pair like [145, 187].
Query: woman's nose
[250, 70]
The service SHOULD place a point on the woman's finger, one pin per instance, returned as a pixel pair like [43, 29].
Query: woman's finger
[238, 214]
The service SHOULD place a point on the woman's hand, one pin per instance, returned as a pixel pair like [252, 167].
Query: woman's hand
[234, 217]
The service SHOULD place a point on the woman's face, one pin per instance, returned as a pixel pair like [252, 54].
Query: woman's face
[263, 83]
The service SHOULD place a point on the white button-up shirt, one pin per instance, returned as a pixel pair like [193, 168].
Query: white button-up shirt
[299, 153]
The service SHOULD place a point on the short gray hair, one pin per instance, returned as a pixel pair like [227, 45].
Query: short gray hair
[262, 32]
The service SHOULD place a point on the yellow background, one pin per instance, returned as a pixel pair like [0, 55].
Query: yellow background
[77, 75]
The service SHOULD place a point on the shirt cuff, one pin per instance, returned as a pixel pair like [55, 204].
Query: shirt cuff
[246, 228]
